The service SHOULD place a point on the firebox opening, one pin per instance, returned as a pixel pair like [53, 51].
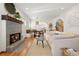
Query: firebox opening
[15, 37]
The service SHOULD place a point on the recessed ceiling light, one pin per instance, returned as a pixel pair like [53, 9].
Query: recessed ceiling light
[27, 8]
[62, 8]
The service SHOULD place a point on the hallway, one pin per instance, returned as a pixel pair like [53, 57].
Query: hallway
[38, 50]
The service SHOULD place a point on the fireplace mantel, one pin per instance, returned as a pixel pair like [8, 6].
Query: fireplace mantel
[9, 18]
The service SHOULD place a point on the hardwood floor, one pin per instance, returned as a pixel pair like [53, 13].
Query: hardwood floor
[23, 52]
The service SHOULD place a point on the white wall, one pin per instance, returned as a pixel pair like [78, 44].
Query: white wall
[0, 35]
[2, 29]
[71, 19]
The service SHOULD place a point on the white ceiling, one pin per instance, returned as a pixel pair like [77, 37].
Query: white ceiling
[44, 11]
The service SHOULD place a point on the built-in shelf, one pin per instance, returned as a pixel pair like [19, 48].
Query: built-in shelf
[9, 18]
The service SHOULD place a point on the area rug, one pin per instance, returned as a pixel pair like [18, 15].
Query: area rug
[38, 50]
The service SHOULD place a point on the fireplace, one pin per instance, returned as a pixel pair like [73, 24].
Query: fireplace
[15, 37]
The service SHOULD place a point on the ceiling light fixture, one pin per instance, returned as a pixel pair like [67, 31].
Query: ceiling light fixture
[27, 8]
[62, 8]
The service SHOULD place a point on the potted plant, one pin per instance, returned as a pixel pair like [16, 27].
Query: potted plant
[17, 15]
